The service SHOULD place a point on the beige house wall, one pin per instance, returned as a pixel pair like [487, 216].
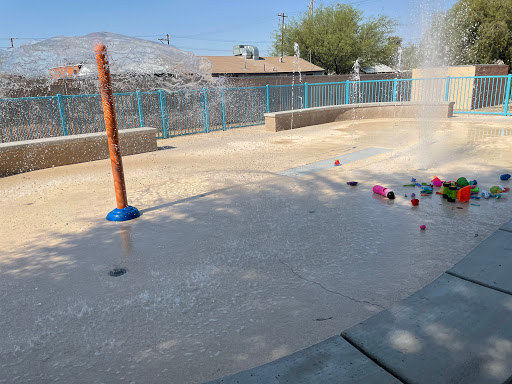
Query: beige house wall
[434, 88]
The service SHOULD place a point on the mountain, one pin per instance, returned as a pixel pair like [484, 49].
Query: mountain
[126, 55]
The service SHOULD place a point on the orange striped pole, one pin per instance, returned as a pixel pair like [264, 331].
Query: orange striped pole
[109, 112]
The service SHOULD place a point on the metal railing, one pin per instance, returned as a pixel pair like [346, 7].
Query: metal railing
[204, 110]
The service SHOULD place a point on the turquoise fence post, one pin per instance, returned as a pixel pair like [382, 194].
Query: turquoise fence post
[223, 109]
[205, 112]
[163, 113]
[306, 95]
[141, 109]
[347, 92]
[507, 96]
[394, 89]
[447, 88]
[62, 114]
[267, 93]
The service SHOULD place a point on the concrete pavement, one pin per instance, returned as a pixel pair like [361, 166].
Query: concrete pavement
[456, 330]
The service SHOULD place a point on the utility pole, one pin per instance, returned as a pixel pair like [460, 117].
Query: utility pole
[311, 8]
[12, 42]
[165, 39]
[282, 32]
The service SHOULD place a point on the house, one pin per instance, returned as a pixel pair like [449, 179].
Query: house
[246, 62]
[64, 71]
[377, 68]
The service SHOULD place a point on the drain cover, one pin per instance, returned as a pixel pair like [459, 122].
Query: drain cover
[116, 272]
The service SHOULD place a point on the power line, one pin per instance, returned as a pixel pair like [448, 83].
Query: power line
[148, 36]
[232, 28]
[363, 2]
[24, 38]
[165, 39]
[205, 49]
[220, 40]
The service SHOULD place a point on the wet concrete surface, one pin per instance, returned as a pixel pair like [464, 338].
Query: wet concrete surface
[451, 332]
[231, 265]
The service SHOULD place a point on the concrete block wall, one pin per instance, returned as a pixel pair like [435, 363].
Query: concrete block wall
[31, 155]
[280, 121]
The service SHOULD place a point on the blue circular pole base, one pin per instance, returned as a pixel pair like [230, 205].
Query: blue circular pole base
[123, 214]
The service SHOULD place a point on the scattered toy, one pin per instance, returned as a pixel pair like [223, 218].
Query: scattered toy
[476, 205]
[485, 194]
[460, 208]
[506, 176]
[406, 195]
[444, 189]
[409, 185]
[413, 195]
[384, 191]
[495, 189]
[413, 180]
[423, 227]
[437, 181]
[452, 193]
[418, 185]
[505, 190]
[336, 163]
[352, 183]
[415, 202]
[462, 182]
[464, 194]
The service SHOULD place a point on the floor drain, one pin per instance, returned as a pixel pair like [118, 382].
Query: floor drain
[116, 272]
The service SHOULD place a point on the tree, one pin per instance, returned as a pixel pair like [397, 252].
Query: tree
[336, 36]
[474, 32]
[410, 57]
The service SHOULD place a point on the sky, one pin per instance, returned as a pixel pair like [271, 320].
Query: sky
[204, 27]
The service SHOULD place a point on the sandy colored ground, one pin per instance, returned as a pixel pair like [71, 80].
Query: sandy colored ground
[231, 265]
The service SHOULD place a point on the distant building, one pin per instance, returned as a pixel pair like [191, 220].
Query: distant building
[246, 62]
[377, 68]
[65, 71]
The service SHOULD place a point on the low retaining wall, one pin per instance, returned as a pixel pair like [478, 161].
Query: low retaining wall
[280, 121]
[31, 155]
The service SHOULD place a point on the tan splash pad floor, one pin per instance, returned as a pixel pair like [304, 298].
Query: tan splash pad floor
[231, 265]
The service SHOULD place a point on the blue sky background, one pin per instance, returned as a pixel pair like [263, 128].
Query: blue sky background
[205, 27]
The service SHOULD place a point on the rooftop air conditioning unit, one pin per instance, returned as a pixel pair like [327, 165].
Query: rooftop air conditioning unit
[247, 51]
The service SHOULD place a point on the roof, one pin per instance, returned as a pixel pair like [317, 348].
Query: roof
[378, 68]
[265, 65]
